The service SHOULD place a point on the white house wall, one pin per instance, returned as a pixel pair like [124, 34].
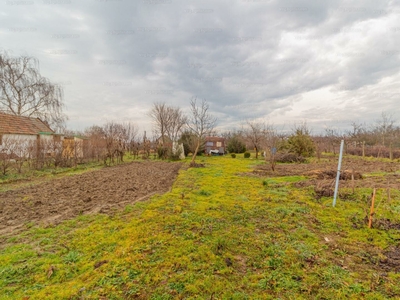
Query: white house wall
[46, 138]
[25, 140]
[20, 137]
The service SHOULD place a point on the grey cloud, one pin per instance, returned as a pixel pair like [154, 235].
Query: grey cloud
[248, 58]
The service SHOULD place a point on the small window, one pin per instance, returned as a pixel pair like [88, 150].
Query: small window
[219, 144]
[210, 144]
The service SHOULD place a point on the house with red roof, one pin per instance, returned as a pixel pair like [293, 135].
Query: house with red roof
[214, 145]
[24, 131]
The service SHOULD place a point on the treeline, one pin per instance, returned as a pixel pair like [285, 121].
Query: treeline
[380, 139]
[107, 144]
[174, 135]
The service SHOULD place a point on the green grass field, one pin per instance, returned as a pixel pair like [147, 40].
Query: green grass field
[218, 234]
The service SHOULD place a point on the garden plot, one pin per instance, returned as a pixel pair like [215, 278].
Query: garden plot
[101, 191]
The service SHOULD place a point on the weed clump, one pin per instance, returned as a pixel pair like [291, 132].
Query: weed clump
[289, 158]
[196, 165]
[331, 174]
[233, 155]
[246, 154]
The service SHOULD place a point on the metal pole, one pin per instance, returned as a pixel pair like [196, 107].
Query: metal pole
[338, 173]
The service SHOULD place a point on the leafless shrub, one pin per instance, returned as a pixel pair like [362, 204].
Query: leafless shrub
[168, 124]
[7, 153]
[97, 142]
[271, 141]
[200, 123]
[255, 134]
[21, 151]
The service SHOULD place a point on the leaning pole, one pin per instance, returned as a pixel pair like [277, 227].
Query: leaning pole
[338, 173]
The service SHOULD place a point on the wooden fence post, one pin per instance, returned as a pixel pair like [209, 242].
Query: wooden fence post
[371, 213]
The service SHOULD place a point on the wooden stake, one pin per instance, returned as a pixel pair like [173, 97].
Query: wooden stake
[371, 213]
[352, 179]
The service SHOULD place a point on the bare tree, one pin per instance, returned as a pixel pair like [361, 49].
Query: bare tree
[254, 134]
[271, 140]
[129, 135]
[355, 137]
[334, 137]
[7, 153]
[24, 92]
[21, 153]
[159, 114]
[318, 142]
[146, 146]
[176, 123]
[97, 144]
[200, 123]
[168, 123]
[385, 127]
[113, 136]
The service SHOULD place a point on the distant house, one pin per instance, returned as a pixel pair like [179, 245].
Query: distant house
[214, 145]
[25, 131]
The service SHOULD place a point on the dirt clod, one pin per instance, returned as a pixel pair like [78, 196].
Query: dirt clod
[385, 224]
[100, 263]
[196, 165]
[391, 262]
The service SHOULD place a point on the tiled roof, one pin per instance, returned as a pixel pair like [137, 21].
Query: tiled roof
[214, 139]
[12, 124]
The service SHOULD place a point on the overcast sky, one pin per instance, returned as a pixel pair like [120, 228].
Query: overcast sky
[325, 62]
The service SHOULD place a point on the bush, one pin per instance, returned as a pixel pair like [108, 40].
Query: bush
[189, 142]
[301, 143]
[235, 145]
[162, 152]
[233, 155]
[246, 154]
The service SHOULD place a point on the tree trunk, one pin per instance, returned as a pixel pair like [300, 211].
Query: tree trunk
[318, 152]
[195, 153]
[273, 162]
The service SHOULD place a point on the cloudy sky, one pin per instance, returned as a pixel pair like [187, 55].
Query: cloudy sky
[325, 62]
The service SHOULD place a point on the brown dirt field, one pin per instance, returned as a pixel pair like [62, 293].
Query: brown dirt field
[329, 163]
[324, 173]
[391, 262]
[101, 191]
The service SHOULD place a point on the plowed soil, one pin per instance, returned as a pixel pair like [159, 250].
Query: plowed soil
[101, 191]
[324, 172]
[329, 163]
